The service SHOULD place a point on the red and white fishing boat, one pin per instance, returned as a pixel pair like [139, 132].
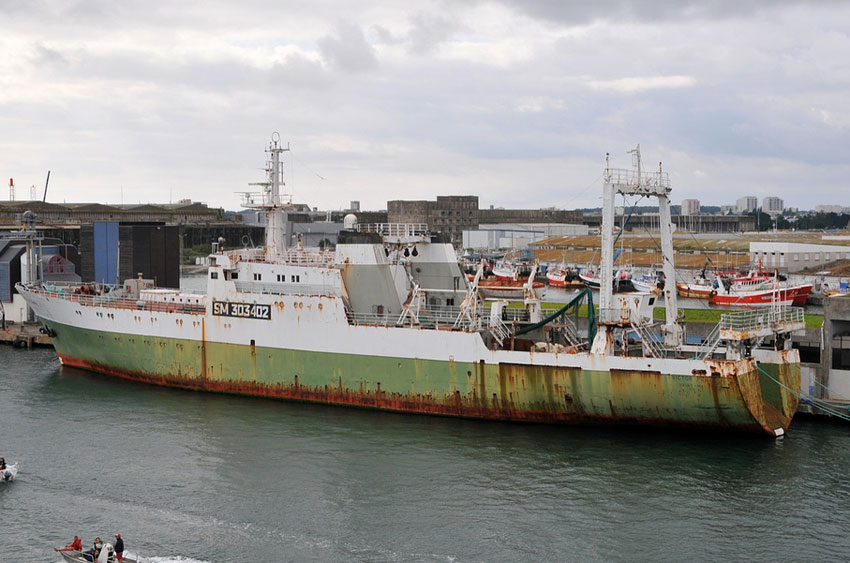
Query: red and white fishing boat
[556, 277]
[765, 295]
[754, 279]
[506, 271]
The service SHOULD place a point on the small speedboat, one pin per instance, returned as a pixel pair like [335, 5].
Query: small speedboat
[9, 473]
[107, 555]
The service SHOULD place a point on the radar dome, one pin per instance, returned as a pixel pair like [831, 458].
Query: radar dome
[349, 222]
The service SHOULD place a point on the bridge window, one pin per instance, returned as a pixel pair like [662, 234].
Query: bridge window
[213, 275]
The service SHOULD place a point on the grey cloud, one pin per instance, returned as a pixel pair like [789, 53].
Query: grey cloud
[208, 76]
[571, 12]
[429, 31]
[46, 56]
[348, 50]
[46, 11]
[385, 36]
[299, 71]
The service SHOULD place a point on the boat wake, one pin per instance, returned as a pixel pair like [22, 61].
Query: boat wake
[171, 559]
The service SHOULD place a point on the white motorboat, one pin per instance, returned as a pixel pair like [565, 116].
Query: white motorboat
[9, 473]
[647, 283]
[107, 555]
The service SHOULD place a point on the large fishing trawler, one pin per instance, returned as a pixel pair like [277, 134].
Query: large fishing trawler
[388, 321]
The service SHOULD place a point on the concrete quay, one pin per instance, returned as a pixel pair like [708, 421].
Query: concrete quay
[23, 335]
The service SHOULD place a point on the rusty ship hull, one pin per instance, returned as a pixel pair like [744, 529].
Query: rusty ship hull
[413, 370]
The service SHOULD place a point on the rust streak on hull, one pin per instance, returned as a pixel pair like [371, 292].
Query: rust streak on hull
[455, 405]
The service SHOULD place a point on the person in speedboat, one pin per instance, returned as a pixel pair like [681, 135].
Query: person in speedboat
[2, 463]
[119, 548]
[76, 545]
[94, 552]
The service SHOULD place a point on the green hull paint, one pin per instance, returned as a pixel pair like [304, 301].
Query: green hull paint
[506, 391]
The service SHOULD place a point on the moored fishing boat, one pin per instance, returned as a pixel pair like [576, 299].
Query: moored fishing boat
[501, 289]
[764, 295]
[388, 321]
[648, 283]
[620, 282]
[699, 289]
[556, 277]
[505, 271]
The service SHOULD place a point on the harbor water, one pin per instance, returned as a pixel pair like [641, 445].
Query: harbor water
[188, 476]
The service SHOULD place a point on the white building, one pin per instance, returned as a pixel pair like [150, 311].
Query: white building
[747, 204]
[517, 235]
[831, 209]
[772, 205]
[795, 256]
[690, 207]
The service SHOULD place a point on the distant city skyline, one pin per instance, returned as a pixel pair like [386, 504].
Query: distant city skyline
[515, 102]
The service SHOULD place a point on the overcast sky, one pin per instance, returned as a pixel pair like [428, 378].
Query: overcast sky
[515, 101]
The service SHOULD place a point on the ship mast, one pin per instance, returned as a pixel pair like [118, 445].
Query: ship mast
[272, 203]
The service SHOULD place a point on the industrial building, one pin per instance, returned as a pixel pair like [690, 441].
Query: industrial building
[453, 215]
[183, 212]
[113, 252]
[450, 215]
[796, 256]
[516, 235]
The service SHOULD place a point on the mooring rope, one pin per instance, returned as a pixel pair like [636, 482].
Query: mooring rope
[828, 408]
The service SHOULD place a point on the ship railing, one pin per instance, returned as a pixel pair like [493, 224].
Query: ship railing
[395, 229]
[709, 345]
[784, 319]
[435, 317]
[500, 331]
[311, 258]
[245, 255]
[371, 319]
[569, 329]
[426, 318]
[631, 178]
[114, 300]
[293, 256]
[651, 341]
